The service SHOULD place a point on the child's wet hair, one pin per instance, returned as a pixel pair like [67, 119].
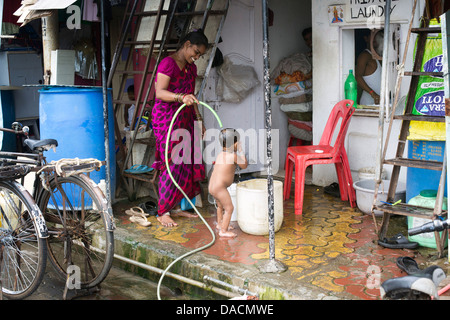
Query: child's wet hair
[228, 137]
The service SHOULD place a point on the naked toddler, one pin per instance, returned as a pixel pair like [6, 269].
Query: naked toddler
[223, 176]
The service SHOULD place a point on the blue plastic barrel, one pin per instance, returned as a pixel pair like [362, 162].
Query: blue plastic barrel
[74, 117]
[421, 179]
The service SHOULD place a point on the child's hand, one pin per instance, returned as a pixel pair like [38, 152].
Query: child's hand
[239, 147]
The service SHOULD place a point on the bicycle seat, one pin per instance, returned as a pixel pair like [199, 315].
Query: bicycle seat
[41, 145]
[408, 287]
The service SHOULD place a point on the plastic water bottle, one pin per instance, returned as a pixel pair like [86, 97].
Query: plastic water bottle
[351, 91]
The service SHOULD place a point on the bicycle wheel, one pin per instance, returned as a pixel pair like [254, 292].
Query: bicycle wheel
[23, 251]
[79, 235]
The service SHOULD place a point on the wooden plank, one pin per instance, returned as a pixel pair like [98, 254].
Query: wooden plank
[408, 210]
[416, 163]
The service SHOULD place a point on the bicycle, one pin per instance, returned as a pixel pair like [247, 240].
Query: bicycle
[23, 232]
[420, 284]
[80, 226]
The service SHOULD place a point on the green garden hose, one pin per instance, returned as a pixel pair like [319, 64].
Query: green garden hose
[185, 195]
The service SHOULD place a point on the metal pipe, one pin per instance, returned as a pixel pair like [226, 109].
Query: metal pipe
[105, 111]
[176, 276]
[50, 27]
[192, 282]
[268, 125]
[186, 280]
[229, 286]
[384, 102]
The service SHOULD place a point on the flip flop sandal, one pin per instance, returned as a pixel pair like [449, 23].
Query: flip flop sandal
[333, 189]
[140, 220]
[136, 211]
[139, 168]
[149, 207]
[398, 242]
[409, 265]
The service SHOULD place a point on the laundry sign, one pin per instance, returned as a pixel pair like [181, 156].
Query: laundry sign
[373, 11]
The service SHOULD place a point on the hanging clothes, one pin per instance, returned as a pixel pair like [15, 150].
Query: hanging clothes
[90, 11]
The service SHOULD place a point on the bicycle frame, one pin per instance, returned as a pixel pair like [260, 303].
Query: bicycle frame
[38, 160]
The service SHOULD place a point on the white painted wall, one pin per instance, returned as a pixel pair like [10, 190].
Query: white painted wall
[328, 81]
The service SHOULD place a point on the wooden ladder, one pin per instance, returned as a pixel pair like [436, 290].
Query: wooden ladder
[170, 21]
[400, 161]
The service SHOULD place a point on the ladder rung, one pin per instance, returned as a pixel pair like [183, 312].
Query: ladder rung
[413, 117]
[148, 141]
[146, 177]
[149, 13]
[123, 102]
[146, 42]
[131, 72]
[408, 210]
[420, 73]
[201, 13]
[426, 30]
[416, 163]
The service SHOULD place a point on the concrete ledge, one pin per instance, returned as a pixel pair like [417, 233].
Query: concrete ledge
[160, 254]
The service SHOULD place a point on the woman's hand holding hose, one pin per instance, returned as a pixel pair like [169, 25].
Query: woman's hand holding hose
[189, 99]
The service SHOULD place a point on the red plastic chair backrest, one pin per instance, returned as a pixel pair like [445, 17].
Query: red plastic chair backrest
[342, 110]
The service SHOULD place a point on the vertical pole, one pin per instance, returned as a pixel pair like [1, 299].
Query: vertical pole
[268, 125]
[445, 28]
[384, 101]
[273, 265]
[50, 31]
[105, 109]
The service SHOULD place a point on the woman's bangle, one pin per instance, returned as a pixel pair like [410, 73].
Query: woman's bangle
[179, 97]
[371, 92]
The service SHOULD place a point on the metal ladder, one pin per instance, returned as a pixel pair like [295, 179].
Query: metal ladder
[167, 17]
[399, 160]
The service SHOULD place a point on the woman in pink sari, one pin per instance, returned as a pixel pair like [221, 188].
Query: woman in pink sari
[174, 86]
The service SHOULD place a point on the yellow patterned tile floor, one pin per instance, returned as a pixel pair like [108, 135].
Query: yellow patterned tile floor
[330, 251]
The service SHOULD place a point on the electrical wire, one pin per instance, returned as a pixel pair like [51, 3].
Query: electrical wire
[185, 195]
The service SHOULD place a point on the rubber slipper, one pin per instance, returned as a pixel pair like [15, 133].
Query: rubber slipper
[398, 242]
[139, 168]
[133, 169]
[136, 211]
[140, 220]
[149, 207]
[333, 189]
[409, 265]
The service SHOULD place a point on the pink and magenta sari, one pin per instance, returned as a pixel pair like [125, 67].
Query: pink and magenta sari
[186, 167]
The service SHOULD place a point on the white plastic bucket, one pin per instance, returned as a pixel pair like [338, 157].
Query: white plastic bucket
[368, 173]
[252, 206]
[365, 190]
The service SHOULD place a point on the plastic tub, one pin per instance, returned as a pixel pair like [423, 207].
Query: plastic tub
[252, 206]
[365, 190]
[74, 117]
[427, 199]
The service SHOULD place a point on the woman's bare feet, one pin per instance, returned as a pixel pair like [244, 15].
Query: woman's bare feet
[166, 221]
[181, 213]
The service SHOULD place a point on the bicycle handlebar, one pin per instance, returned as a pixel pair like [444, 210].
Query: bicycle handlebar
[435, 225]
[17, 128]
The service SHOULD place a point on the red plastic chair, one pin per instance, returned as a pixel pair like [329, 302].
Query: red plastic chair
[323, 153]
